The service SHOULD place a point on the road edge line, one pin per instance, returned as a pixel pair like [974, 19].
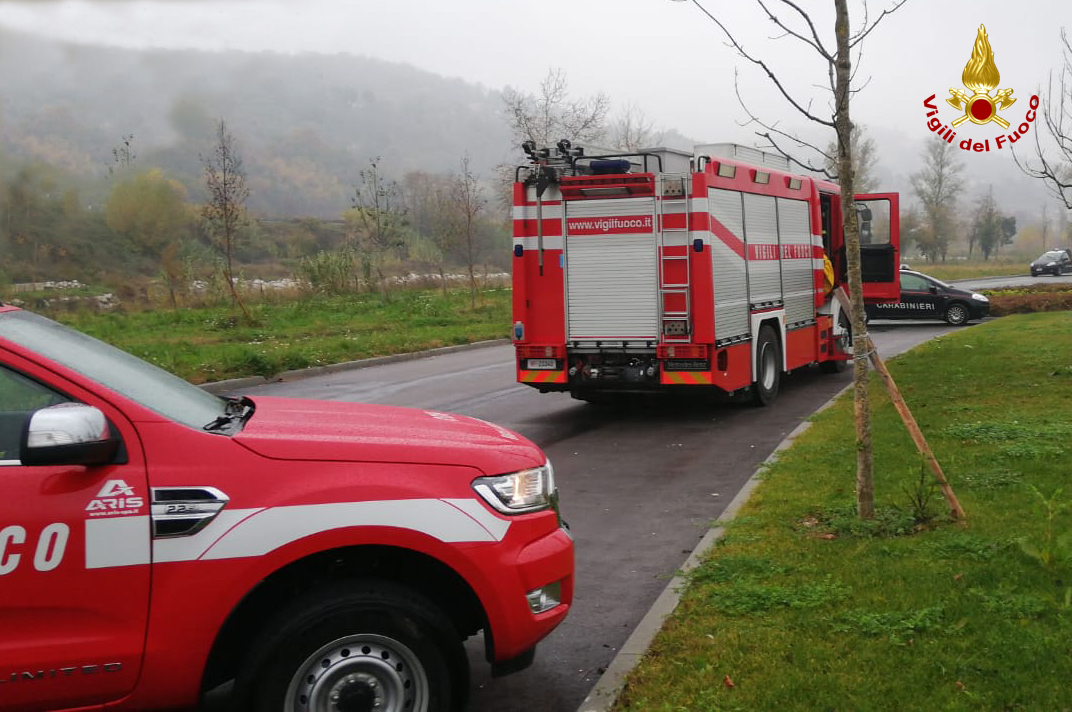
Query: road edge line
[234, 384]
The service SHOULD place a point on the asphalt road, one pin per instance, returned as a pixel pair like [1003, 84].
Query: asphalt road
[640, 485]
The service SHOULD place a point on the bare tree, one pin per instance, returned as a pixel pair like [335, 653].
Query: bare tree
[792, 21]
[123, 155]
[429, 210]
[1056, 113]
[546, 117]
[468, 202]
[631, 130]
[864, 158]
[225, 212]
[379, 216]
[937, 185]
[552, 114]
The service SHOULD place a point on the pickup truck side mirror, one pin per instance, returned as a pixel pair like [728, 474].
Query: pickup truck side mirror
[68, 434]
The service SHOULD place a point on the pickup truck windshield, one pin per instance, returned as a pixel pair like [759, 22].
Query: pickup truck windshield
[127, 375]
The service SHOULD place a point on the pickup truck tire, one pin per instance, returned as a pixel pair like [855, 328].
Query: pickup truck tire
[366, 646]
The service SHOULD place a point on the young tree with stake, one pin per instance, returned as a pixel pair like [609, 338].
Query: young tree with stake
[793, 21]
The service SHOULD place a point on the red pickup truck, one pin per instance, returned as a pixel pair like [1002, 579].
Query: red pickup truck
[157, 541]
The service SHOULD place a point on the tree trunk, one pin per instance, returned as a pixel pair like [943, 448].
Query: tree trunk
[865, 485]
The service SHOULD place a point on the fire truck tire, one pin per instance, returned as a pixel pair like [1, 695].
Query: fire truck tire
[367, 645]
[956, 314]
[768, 367]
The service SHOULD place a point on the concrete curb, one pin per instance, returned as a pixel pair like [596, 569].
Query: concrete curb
[236, 384]
[607, 688]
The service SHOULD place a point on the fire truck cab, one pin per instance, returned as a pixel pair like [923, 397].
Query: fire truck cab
[667, 270]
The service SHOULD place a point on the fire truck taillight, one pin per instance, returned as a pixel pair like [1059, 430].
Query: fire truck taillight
[541, 351]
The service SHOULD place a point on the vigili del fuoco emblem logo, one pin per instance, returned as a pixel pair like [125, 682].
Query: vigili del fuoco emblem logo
[980, 76]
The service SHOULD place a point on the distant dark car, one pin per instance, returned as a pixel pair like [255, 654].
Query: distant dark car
[924, 297]
[1052, 262]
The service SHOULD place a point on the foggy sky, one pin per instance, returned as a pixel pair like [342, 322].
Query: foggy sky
[663, 57]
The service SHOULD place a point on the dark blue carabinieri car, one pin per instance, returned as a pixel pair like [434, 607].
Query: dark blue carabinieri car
[924, 297]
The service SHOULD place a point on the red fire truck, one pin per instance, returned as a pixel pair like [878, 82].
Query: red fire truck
[664, 270]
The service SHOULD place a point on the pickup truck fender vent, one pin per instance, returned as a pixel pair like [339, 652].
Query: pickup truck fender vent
[184, 511]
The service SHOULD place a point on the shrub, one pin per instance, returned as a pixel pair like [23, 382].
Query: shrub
[1026, 300]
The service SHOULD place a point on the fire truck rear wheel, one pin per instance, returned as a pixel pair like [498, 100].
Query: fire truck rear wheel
[367, 646]
[768, 367]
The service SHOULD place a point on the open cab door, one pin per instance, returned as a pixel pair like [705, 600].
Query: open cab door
[880, 246]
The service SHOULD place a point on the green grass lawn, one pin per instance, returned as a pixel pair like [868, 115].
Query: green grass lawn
[212, 344]
[997, 267]
[803, 606]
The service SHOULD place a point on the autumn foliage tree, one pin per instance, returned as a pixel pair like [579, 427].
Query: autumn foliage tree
[151, 212]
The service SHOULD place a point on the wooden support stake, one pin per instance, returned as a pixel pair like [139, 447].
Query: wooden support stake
[909, 420]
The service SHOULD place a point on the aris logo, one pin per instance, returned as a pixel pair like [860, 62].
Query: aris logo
[980, 76]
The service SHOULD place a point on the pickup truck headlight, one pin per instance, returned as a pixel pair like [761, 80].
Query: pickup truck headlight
[519, 492]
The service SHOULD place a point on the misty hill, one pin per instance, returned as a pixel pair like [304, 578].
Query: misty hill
[305, 125]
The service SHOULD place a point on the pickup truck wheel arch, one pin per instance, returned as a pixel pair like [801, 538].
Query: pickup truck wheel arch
[410, 569]
[373, 644]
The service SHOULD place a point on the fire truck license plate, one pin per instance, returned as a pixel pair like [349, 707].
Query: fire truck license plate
[541, 364]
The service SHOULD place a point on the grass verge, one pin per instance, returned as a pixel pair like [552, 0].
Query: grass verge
[998, 267]
[213, 344]
[803, 606]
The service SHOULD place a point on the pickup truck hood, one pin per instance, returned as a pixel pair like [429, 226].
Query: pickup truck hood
[295, 429]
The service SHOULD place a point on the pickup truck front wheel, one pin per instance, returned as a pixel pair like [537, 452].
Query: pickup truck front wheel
[375, 647]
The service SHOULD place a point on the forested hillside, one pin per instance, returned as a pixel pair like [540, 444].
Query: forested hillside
[305, 124]
[102, 156]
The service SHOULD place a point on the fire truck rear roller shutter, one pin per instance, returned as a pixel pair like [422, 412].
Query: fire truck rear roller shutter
[798, 271]
[728, 270]
[761, 233]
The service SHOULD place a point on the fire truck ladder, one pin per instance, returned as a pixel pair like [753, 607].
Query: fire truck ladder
[675, 315]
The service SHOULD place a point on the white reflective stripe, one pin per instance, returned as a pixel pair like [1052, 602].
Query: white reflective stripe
[698, 205]
[702, 235]
[818, 264]
[533, 243]
[189, 548]
[117, 541]
[272, 528]
[528, 212]
[496, 526]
